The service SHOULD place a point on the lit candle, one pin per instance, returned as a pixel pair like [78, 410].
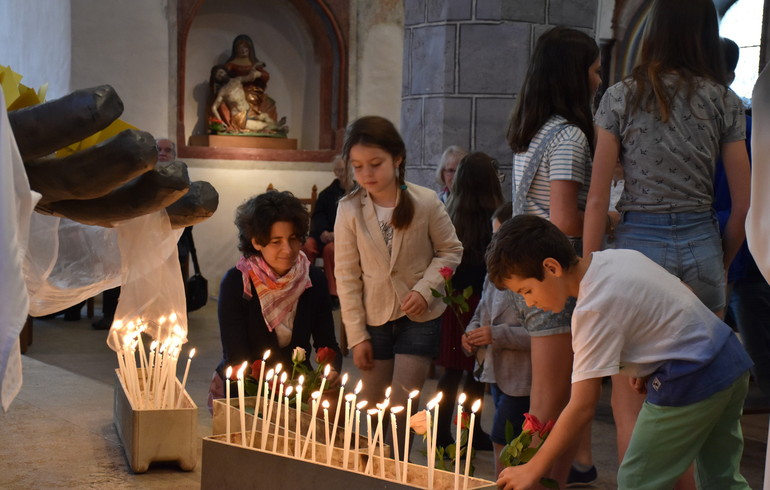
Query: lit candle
[241, 402]
[259, 394]
[339, 407]
[434, 440]
[270, 375]
[429, 434]
[458, 438]
[359, 406]
[393, 412]
[311, 430]
[298, 409]
[184, 379]
[474, 409]
[407, 432]
[378, 436]
[327, 370]
[266, 421]
[286, 419]
[369, 443]
[346, 433]
[228, 373]
[276, 434]
[329, 447]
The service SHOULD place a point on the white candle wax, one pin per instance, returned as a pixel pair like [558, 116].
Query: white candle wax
[474, 409]
[458, 438]
[407, 430]
[311, 429]
[359, 406]
[379, 435]
[266, 421]
[184, 379]
[228, 373]
[346, 432]
[393, 412]
[327, 370]
[241, 402]
[270, 375]
[430, 445]
[369, 441]
[329, 446]
[259, 394]
[298, 410]
[339, 406]
[278, 414]
[286, 421]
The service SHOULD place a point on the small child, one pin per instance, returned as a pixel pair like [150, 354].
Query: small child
[632, 318]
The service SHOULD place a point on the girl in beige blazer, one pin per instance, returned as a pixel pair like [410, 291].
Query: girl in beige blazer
[391, 239]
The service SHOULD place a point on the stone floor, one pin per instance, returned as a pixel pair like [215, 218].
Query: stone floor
[59, 431]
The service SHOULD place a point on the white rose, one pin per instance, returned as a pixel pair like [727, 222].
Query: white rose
[298, 355]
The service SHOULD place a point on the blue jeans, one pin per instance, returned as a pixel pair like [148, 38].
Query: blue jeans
[404, 336]
[687, 245]
[507, 409]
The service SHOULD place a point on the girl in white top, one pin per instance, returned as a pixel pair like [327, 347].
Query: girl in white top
[392, 238]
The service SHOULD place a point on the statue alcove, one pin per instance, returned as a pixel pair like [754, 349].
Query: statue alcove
[304, 44]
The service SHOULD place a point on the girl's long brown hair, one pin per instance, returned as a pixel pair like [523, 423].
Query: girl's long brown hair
[682, 38]
[378, 131]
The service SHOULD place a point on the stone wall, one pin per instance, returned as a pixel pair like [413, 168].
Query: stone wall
[464, 62]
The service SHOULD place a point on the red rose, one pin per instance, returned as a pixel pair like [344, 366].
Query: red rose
[547, 429]
[466, 420]
[446, 272]
[255, 367]
[531, 424]
[325, 355]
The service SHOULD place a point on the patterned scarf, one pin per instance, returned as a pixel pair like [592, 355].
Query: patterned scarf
[278, 295]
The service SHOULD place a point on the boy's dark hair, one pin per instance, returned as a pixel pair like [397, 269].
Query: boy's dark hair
[255, 218]
[522, 244]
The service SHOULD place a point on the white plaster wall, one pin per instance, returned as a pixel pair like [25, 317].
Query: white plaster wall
[216, 238]
[35, 42]
[381, 72]
[125, 44]
[280, 40]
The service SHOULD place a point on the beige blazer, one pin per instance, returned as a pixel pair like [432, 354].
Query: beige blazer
[371, 283]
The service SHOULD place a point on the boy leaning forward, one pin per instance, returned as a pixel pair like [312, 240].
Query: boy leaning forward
[634, 318]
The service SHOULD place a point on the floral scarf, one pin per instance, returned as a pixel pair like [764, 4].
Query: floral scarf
[278, 295]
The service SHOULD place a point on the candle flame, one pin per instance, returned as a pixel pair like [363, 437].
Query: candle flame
[384, 404]
[350, 397]
[315, 395]
[229, 372]
[361, 404]
[162, 320]
[269, 375]
[414, 393]
[301, 380]
[387, 392]
[476, 406]
[192, 352]
[439, 396]
[373, 411]
[461, 400]
[278, 368]
[266, 355]
[396, 409]
[172, 317]
[283, 377]
[325, 404]
[153, 345]
[288, 391]
[431, 404]
[327, 369]
[344, 379]
[359, 386]
[242, 369]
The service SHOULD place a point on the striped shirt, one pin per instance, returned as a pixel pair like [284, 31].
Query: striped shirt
[567, 157]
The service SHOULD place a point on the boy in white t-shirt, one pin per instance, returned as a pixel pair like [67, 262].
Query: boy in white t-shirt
[632, 318]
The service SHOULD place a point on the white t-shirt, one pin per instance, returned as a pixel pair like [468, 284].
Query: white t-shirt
[632, 316]
[385, 218]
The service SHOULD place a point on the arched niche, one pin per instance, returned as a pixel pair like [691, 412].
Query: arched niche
[304, 44]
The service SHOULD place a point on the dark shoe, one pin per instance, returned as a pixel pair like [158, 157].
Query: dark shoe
[103, 324]
[577, 478]
[481, 440]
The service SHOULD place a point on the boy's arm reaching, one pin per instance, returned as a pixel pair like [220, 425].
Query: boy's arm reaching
[576, 415]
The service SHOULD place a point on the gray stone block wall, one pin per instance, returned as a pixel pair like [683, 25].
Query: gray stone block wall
[464, 63]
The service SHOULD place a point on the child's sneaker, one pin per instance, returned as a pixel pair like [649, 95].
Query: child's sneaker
[579, 478]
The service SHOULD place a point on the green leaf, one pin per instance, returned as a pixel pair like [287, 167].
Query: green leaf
[528, 454]
[435, 293]
[467, 292]
[508, 431]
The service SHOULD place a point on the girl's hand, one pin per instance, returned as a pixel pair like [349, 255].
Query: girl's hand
[481, 336]
[363, 355]
[414, 304]
[467, 346]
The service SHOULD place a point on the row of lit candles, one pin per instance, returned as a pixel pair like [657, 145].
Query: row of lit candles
[352, 423]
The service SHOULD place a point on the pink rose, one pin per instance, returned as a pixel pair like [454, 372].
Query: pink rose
[547, 429]
[446, 272]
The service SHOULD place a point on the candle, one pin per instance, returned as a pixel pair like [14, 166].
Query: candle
[184, 379]
[429, 434]
[270, 374]
[458, 438]
[359, 406]
[432, 452]
[378, 436]
[474, 409]
[393, 412]
[407, 432]
[266, 421]
[286, 423]
[339, 406]
[329, 447]
[369, 443]
[259, 394]
[228, 373]
[346, 433]
[327, 369]
[276, 434]
[298, 409]
[311, 430]
[241, 402]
